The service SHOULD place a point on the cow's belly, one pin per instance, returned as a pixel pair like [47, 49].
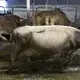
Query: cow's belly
[48, 42]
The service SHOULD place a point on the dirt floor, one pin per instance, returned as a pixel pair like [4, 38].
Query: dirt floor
[37, 75]
[28, 70]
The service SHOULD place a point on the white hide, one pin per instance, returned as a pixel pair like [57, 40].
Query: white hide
[44, 40]
[22, 31]
[26, 29]
[50, 40]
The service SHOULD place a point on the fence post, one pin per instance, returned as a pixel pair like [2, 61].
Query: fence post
[46, 4]
[28, 7]
[75, 19]
[12, 10]
[33, 13]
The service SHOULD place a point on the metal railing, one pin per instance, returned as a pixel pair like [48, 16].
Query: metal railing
[72, 11]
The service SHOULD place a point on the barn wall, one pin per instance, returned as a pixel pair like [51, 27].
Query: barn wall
[41, 2]
[69, 10]
[16, 2]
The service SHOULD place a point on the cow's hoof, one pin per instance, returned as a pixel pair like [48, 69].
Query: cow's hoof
[60, 70]
[9, 72]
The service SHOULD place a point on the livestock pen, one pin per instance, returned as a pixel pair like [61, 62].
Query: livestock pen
[72, 11]
[27, 70]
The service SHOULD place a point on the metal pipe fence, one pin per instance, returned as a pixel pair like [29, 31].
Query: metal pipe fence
[72, 11]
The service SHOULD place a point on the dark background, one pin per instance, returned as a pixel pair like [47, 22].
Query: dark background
[41, 2]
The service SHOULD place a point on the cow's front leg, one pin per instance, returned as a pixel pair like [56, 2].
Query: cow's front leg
[17, 50]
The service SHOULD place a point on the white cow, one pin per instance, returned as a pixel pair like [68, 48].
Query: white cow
[45, 41]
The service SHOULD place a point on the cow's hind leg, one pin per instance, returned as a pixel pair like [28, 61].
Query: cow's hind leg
[65, 59]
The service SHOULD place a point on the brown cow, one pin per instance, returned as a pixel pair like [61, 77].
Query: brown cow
[56, 17]
[9, 22]
[18, 20]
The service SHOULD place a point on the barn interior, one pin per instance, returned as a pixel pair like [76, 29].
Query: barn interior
[18, 13]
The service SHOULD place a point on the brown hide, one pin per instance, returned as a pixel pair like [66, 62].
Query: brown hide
[56, 17]
[8, 26]
[59, 18]
[18, 20]
[41, 16]
[8, 23]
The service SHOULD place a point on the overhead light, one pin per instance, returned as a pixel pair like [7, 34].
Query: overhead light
[3, 5]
